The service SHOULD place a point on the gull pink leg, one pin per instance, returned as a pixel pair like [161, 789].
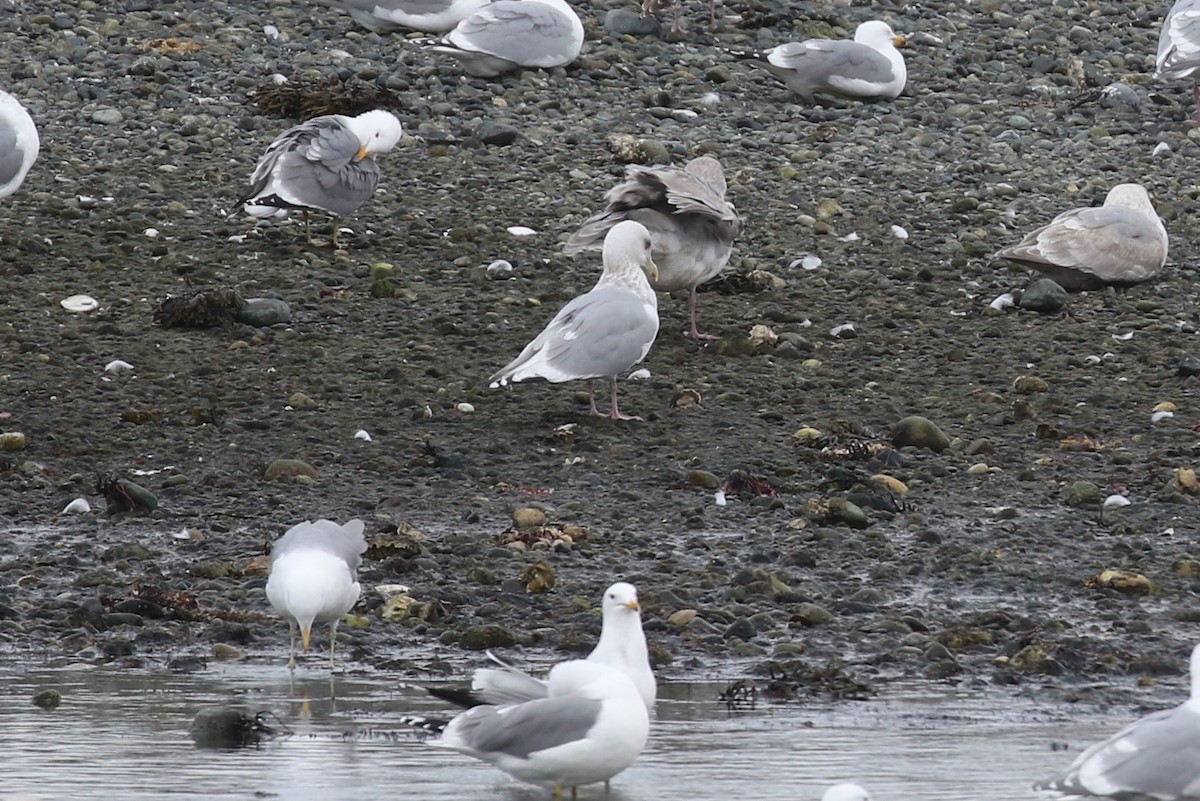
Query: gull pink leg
[693, 332]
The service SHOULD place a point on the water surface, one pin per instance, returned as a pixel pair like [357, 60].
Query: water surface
[123, 735]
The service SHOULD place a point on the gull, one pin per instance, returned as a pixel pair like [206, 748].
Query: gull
[1121, 242]
[1157, 757]
[313, 577]
[604, 332]
[19, 144]
[1179, 45]
[590, 727]
[868, 68]
[430, 16]
[507, 35]
[691, 223]
[622, 646]
[325, 164]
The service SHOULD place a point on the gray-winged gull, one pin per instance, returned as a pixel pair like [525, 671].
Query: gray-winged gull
[604, 332]
[868, 68]
[590, 727]
[510, 34]
[1157, 757]
[430, 16]
[845, 791]
[314, 577]
[1121, 242]
[1179, 45]
[325, 164]
[19, 144]
[622, 646]
[691, 224]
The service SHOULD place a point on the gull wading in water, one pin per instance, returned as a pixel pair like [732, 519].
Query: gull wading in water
[314, 578]
[591, 726]
[19, 143]
[326, 164]
[691, 223]
[1121, 242]
[508, 35]
[1157, 757]
[868, 68]
[622, 646]
[603, 333]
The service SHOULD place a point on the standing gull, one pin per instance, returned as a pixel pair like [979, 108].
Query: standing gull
[868, 68]
[314, 577]
[1157, 757]
[325, 164]
[18, 144]
[590, 727]
[603, 333]
[430, 16]
[1121, 242]
[691, 224]
[1179, 45]
[622, 646]
[507, 35]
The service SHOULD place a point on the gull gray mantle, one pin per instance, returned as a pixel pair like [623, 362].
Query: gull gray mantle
[868, 68]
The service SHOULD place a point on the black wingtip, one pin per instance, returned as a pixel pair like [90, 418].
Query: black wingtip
[432, 725]
[456, 696]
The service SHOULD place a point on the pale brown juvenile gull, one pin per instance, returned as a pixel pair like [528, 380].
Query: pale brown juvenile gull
[1179, 45]
[691, 224]
[314, 578]
[508, 35]
[326, 164]
[603, 333]
[1157, 757]
[430, 16]
[868, 68]
[19, 144]
[1121, 242]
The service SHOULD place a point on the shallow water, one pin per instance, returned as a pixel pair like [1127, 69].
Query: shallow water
[123, 734]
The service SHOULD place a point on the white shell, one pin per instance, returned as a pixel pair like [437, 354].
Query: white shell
[1003, 302]
[151, 233]
[464, 408]
[808, 261]
[362, 434]
[899, 232]
[1160, 416]
[1123, 337]
[850, 237]
[838, 330]
[719, 497]
[271, 32]
[1160, 148]
[78, 506]
[118, 366]
[1115, 501]
[520, 230]
[500, 266]
[639, 375]
[80, 303]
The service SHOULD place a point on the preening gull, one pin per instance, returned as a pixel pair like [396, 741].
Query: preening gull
[1157, 757]
[1179, 44]
[314, 577]
[868, 68]
[510, 34]
[325, 164]
[622, 646]
[590, 727]
[430, 16]
[19, 144]
[846, 792]
[691, 224]
[1121, 242]
[602, 333]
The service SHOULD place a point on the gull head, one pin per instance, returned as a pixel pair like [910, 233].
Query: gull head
[378, 131]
